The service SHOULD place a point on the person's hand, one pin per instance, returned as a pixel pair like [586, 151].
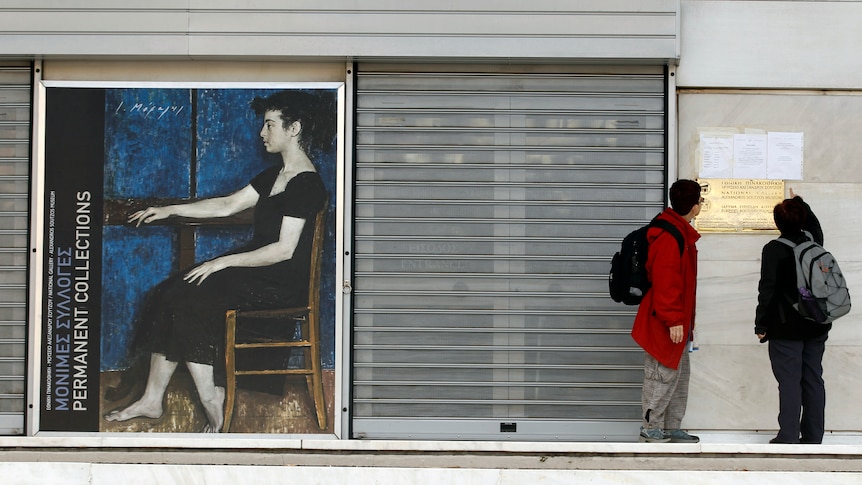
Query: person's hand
[676, 334]
[148, 215]
[201, 272]
[760, 336]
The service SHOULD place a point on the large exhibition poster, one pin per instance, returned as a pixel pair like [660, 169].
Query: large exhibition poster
[165, 206]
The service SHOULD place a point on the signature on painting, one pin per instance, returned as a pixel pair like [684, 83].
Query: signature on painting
[149, 109]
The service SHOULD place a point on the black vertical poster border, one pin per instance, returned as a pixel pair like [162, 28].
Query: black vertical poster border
[71, 280]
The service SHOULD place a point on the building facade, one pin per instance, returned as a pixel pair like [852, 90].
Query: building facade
[489, 159]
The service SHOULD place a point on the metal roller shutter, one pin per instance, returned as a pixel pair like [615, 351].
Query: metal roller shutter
[15, 100]
[487, 205]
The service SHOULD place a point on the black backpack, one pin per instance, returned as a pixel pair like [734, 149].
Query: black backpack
[627, 280]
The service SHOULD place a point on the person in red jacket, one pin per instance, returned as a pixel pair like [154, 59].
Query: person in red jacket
[665, 320]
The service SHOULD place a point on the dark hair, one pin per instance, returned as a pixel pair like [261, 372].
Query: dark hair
[315, 111]
[684, 194]
[790, 215]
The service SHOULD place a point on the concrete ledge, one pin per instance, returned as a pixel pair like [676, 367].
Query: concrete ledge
[716, 452]
[102, 474]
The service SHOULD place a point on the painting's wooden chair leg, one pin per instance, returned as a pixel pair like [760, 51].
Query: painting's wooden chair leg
[230, 362]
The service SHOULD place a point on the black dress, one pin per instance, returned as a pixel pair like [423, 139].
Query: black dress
[187, 321]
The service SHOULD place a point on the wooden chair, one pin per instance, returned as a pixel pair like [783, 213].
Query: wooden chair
[308, 318]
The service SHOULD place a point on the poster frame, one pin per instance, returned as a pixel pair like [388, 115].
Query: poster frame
[36, 277]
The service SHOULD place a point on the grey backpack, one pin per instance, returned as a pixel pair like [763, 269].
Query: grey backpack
[823, 293]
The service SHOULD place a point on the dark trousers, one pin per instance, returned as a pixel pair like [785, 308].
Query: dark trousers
[798, 368]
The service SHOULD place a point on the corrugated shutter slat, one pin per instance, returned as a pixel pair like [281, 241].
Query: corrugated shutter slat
[15, 103]
[487, 207]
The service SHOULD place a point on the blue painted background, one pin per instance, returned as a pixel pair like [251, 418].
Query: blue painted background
[152, 138]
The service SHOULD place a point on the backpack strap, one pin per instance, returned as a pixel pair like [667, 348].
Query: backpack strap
[787, 242]
[670, 228]
[791, 243]
[801, 281]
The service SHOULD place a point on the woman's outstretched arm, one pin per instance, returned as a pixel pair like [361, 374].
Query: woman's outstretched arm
[200, 209]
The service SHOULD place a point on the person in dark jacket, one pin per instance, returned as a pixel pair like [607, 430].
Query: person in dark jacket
[796, 345]
[665, 320]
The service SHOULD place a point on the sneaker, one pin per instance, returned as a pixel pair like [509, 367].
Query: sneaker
[680, 436]
[653, 435]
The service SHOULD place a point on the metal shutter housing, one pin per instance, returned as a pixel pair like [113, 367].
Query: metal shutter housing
[15, 100]
[488, 201]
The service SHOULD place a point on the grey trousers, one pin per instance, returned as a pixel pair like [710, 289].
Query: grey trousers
[665, 393]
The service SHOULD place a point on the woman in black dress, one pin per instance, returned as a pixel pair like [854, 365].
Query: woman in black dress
[186, 313]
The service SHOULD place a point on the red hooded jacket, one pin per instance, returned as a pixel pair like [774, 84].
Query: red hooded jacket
[671, 299]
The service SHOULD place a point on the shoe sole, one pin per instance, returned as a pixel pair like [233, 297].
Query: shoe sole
[644, 439]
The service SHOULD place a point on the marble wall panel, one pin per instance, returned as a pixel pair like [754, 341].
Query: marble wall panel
[732, 385]
[732, 388]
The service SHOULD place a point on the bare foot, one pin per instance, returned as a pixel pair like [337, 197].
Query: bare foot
[138, 409]
[215, 412]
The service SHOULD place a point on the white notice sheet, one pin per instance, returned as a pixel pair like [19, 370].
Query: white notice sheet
[784, 156]
[716, 156]
[749, 156]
